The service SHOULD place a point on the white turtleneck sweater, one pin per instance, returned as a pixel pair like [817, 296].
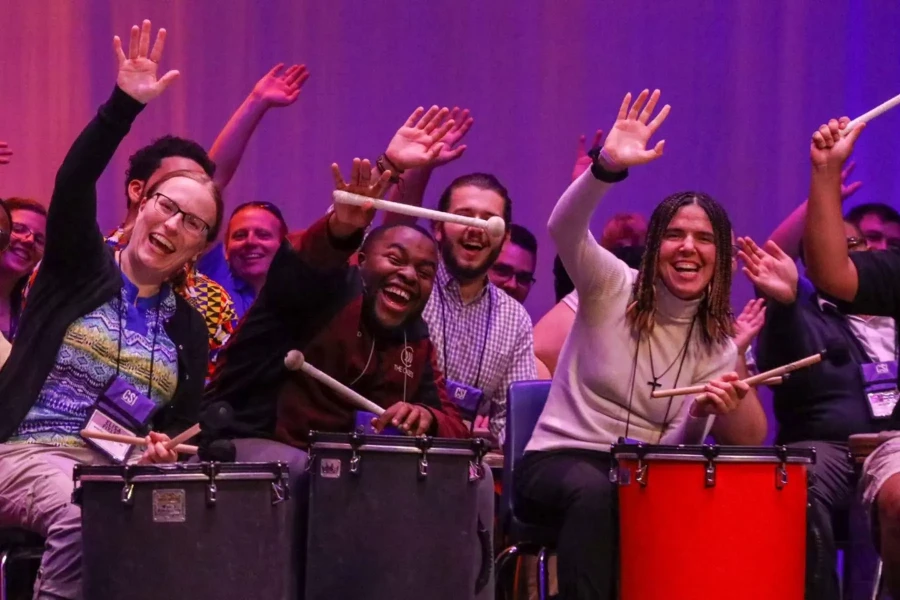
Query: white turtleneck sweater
[588, 406]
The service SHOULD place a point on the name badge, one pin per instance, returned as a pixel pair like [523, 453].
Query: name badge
[466, 397]
[880, 381]
[123, 410]
[117, 451]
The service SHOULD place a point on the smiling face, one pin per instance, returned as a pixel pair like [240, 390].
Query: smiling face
[26, 243]
[687, 253]
[254, 235]
[162, 243]
[398, 268]
[513, 272]
[469, 252]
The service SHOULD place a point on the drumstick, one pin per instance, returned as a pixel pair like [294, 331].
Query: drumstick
[183, 436]
[877, 111]
[834, 352]
[133, 440]
[495, 226]
[295, 361]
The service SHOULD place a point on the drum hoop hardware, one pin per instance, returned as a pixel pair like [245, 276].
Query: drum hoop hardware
[356, 440]
[211, 470]
[281, 487]
[476, 465]
[423, 443]
[709, 478]
[781, 475]
[643, 472]
[127, 496]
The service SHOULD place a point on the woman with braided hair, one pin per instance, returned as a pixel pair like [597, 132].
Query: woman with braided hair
[666, 325]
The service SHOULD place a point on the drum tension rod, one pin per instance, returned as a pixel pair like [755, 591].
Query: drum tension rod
[710, 452]
[211, 470]
[356, 440]
[781, 475]
[423, 443]
[128, 487]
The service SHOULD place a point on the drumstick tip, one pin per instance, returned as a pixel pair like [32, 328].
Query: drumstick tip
[294, 360]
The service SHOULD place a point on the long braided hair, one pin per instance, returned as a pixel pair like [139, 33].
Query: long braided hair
[714, 313]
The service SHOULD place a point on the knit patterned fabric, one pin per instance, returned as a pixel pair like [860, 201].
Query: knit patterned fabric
[86, 362]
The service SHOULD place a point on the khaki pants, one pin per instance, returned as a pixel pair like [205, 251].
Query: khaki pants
[36, 495]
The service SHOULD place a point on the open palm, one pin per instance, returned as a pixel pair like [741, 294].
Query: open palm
[281, 89]
[772, 271]
[360, 182]
[418, 141]
[626, 143]
[451, 149]
[137, 71]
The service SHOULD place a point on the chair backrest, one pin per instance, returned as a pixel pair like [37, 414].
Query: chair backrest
[524, 404]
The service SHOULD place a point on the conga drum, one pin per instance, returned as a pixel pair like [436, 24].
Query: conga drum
[711, 521]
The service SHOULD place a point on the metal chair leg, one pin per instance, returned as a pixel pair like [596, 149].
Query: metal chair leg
[4, 580]
[876, 588]
[543, 575]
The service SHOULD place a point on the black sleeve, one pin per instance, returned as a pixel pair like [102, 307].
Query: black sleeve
[878, 292]
[74, 241]
[781, 338]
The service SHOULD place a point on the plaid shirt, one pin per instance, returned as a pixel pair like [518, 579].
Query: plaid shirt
[508, 351]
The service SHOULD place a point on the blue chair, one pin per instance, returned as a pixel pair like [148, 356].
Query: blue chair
[525, 401]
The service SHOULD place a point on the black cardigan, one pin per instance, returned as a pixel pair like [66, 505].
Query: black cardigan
[79, 273]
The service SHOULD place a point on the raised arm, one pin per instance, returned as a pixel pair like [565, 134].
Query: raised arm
[789, 232]
[592, 268]
[416, 153]
[275, 89]
[73, 237]
[827, 258]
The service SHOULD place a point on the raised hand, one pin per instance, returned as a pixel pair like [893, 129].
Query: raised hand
[451, 149]
[582, 160]
[848, 189]
[626, 143]
[418, 142]
[772, 271]
[281, 89]
[137, 71]
[831, 149]
[748, 324]
[347, 219]
[5, 153]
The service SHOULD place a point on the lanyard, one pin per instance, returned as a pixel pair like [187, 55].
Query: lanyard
[487, 326]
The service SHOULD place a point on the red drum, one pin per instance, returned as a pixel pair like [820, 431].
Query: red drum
[711, 521]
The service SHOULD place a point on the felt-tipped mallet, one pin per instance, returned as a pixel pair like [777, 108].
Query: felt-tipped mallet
[295, 361]
[494, 226]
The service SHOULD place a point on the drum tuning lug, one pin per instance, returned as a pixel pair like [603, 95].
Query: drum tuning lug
[710, 474]
[643, 472]
[128, 494]
[211, 491]
[423, 466]
[476, 471]
[781, 476]
[354, 463]
[310, 461]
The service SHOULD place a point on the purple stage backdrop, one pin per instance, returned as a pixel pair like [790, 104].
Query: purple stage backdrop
[748, 81]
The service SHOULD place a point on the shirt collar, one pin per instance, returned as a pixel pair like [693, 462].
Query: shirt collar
[451, 285]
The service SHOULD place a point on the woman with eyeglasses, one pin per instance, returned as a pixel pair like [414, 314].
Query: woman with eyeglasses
[99, 321]
[240, 265]
[27, 239]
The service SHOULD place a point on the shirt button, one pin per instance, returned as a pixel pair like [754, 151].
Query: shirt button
[186, 376]
[180, 347]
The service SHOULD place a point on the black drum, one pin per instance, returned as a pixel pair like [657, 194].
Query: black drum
[394, 518]
[200, 530]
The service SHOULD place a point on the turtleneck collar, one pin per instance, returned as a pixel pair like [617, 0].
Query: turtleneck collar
[674, 308]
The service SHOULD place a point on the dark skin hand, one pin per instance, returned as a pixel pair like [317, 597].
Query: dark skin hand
[412, 419]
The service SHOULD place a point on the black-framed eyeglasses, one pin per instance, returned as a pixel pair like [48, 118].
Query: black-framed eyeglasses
[505, 272]
[23, 230]
[168, 207]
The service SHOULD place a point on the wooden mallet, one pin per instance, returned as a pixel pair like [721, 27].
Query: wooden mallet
[834, 352]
